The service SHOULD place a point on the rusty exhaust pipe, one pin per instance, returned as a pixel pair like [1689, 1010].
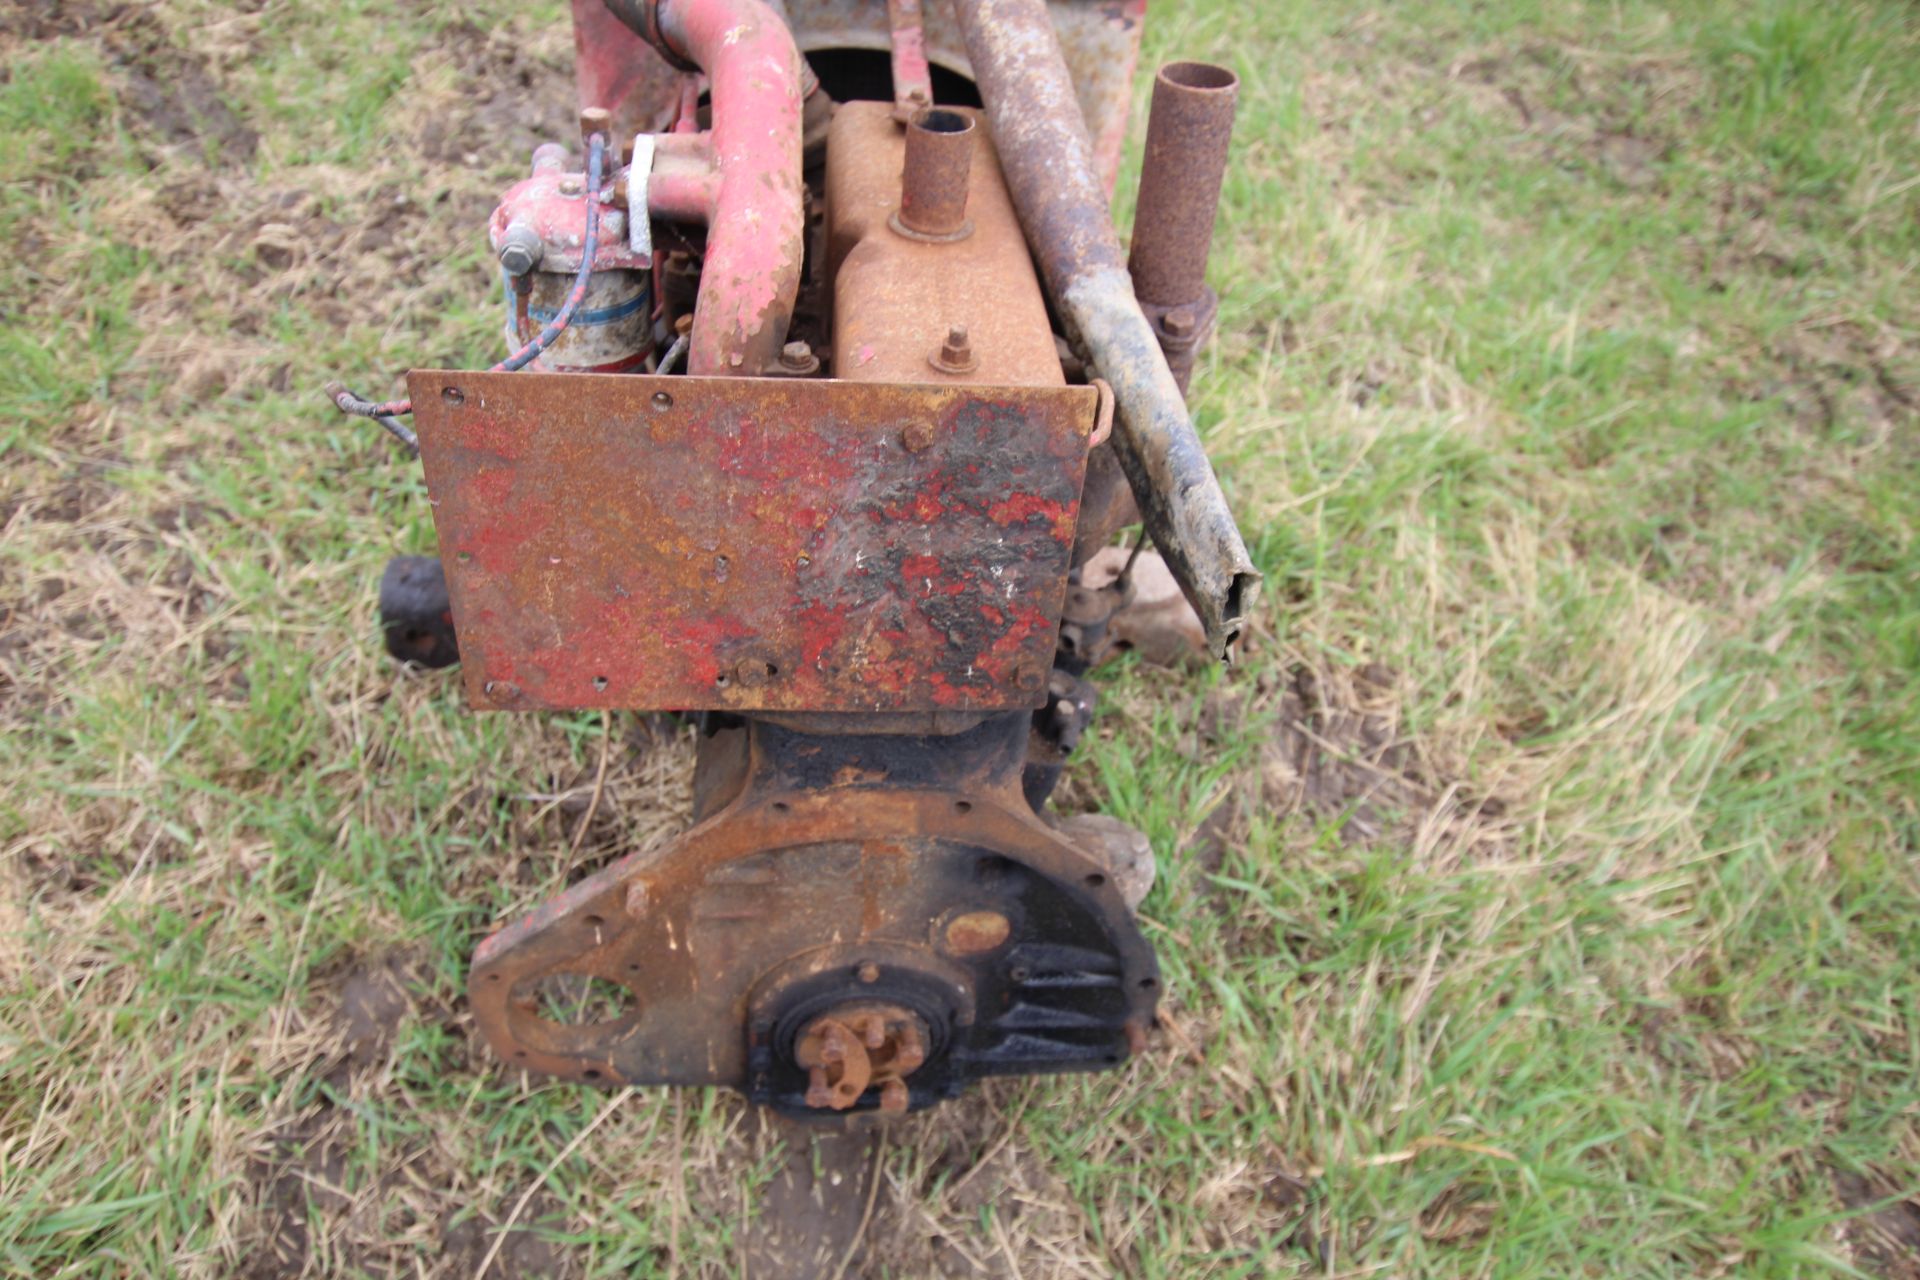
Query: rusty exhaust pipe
[1048, 160]
[1188, 132]
[933, 179]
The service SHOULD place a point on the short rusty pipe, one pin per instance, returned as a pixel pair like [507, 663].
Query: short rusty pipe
[1188, 134]
[756, 226]
[933, 178]
[1048, 160]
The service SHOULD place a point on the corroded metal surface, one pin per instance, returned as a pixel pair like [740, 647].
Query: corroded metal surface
[896, 299]
[614, 68]
[1188, 133]
[752, 544]
[751, 266]
[933, 178]
[860, 1046]
[912, 77]
[1048, 160]
[833, 884]
[1100, 40]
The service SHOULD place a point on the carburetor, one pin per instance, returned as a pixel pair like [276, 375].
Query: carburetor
[828, 374]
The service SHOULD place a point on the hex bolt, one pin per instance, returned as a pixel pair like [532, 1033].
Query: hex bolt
[956, 353]
[798, 358]
[1180, 322]
[521, 249]
[869, 973]
[572, 185]
[918, 437]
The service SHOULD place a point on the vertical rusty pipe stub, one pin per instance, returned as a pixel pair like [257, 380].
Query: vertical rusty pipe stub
[1188, 132]
[933, 179]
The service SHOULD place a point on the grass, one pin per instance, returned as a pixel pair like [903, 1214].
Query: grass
[1567, 386]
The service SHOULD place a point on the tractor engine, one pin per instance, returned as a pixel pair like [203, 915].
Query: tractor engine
[829, 373]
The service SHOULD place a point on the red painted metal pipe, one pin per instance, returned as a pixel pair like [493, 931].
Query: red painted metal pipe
[756, 225]
[684, 184]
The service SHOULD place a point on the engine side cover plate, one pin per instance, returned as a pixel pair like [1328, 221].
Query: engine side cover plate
[752, 544]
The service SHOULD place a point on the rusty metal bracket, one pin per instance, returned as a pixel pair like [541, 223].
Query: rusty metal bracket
[845, 873]
[752, 544]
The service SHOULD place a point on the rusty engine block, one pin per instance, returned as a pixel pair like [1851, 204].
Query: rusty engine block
[919, 391]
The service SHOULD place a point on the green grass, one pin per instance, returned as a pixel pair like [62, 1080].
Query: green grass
[1567, 387]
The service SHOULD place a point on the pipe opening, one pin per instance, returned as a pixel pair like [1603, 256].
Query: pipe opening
[866, 75]
[1199, 75]
[940, 120]
[933, 176]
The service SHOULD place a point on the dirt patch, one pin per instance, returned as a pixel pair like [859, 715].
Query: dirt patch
[971, 1199]
[516, 100]
[1844, 374]
[1583, 119]
[1884, 1241]
[319, 1208]
[319, 1215]
[168, 92]
[50, 19]
[375, 998]
[1328, 744]
[529, 1249]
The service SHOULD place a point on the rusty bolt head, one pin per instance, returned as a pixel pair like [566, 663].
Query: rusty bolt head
[637, 898]
[596, 120]
[1180, 322]
[918, 437]
[798, 358]
[751, 673]
[911, 1053]
[683, 324]
[572, 185]
[868, 973]
[1030, 679]
[956, 353]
